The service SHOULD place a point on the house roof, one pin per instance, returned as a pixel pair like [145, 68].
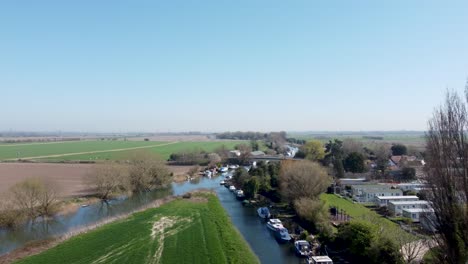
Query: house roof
[384, 191]
[418, 210]
[409, 202]
[371, 186]
[397, 197]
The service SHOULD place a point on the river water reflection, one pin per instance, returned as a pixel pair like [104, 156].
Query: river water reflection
[244, 218]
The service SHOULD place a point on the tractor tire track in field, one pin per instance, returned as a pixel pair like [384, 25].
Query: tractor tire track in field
[93, 152]
[161, 229]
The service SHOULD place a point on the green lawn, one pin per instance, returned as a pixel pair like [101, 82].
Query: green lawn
[186, 232]
[13, 151]
[360, 212]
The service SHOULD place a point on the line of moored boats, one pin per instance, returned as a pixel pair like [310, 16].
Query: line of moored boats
[302, 248]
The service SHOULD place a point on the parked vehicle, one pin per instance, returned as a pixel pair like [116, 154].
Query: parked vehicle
[303, 248]
[263, 212]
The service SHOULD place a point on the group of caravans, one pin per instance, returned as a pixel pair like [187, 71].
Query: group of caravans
[392, 197]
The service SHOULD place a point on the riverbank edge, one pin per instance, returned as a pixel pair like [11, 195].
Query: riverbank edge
[36, 247]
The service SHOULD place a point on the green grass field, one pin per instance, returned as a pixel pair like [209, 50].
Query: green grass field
[360, 212]
[182, 231]
[113, 150]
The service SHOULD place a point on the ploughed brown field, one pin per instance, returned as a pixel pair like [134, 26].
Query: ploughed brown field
[70, 178]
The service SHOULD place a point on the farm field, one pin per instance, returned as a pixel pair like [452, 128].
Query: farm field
[195, 230]
[100, 150]
[410, 138]
[360, 212]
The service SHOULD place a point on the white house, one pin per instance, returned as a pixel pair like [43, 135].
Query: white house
[417, 214]
[384, 200]
[397, 207]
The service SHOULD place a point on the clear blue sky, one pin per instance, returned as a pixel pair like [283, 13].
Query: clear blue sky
[228, 65]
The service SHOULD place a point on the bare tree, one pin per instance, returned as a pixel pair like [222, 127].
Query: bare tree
[35, 197]
[10, 216]
[193, 171]
[107, 179]
[302, 179]
[214, 159]
[447, 177]
[351, 145]
[147, 172]
[27, 196]
[48, 198]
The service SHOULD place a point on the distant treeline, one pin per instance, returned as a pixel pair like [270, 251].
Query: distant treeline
[27, 140]
[373, 137]
[269, 137]
[243, 135]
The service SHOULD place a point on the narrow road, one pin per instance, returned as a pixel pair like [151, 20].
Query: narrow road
[93, 152]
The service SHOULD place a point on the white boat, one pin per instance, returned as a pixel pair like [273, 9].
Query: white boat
[84, 205]
[319, 260]
[233, 167]
[223, 169]
[240, 194]
[274, 224]
[263, 212]
[222, 182]
[208, 173]
[232, 188]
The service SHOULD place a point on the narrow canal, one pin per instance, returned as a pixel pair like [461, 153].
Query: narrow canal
[244, 218]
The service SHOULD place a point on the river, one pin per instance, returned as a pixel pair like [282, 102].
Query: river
[244, 218]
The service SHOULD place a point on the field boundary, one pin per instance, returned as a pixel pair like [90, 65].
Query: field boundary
[91, 152]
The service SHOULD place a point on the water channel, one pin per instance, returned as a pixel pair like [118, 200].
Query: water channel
[244, 218]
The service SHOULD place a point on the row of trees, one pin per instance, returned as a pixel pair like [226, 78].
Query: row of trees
[142, 172]
[194, 157]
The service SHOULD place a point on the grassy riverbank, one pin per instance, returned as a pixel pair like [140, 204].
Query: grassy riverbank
[195, 230]
[360, 212]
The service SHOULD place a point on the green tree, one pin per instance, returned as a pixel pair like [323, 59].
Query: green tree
[334, 155]
[354, 163]
[357, 238]
[399, 149]
[240, 176]
[408, 173]
[254, 145]
[251, 187]
[313, 150]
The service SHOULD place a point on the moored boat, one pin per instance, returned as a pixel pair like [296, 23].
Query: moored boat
[240, 195]
[223, 169]
[303, 248]
[263, 212]
[222, 182]
[282, 235]
[232, 188]
[274, 224]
